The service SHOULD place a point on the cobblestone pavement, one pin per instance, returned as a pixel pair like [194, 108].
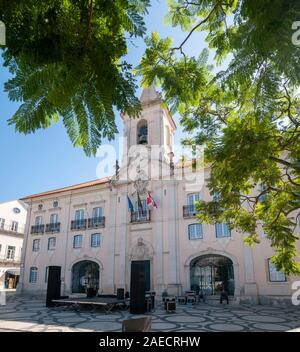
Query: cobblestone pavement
[25, 314]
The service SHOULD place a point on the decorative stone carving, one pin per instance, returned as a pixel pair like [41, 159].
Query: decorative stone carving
[141, 251]
[141, 183]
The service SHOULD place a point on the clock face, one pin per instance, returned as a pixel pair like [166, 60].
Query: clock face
[16, 210]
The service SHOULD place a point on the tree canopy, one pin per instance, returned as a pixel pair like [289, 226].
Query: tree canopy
[66, 58]
[247, 115]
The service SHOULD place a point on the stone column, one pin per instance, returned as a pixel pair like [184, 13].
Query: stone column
[158, 230]
[250, 283]
[122, 236]
[108, 279]
[173, 263]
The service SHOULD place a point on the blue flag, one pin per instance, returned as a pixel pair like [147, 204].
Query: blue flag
[130, 205]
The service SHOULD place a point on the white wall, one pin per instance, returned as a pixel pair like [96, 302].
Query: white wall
[11, 238]
[7, 213]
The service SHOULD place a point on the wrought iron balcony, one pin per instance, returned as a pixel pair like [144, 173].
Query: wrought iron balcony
[95, 223]
[53, 227]
[37, 229]
[189, 211]
[140, 216]
[78, 224]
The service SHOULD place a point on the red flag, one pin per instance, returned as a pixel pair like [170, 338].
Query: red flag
[150, 200]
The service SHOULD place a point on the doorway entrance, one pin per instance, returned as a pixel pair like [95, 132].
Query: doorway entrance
[211, 273]
[11, 278]
[141, 268]
[85, 274]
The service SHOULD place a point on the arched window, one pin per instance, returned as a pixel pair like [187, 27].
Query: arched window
[142, 132]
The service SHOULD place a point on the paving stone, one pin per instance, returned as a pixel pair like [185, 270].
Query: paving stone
[31, 315]
[99, 326]
[271, 327]
[264, 318]
[163, 326]
[71, 320]
[185, 319]
[226, 327]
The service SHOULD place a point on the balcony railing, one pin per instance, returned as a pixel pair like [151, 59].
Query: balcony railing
[12, 228]
[37, 229]
[94, 223]
[8, 259]
[189, 211]
[78, 224]
[140, 216]
[53, 227]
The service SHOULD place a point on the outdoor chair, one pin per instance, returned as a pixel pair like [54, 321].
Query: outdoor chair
[137, 325]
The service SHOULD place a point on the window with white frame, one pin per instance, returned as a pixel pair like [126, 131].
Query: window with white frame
[97, 213]
[191, 200]
[51, 243]
[195, 231]
[2, 223]
[95, 240]
[36, 245]
[79, 214]
[46, 273]
[53, 218]
[14, 226]
[274, 274]
[38, 220]
[33, 274]
[77, 241]
[222, 230]
[10, 253]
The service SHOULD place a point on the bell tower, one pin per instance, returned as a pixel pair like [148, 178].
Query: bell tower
[154, 128]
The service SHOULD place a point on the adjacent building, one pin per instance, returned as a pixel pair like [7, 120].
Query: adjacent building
[12, 227]
[97, 231]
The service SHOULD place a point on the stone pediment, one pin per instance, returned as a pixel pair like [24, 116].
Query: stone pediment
[141, 250]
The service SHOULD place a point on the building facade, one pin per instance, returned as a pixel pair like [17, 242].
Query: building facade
[88, 231]
[13, 216]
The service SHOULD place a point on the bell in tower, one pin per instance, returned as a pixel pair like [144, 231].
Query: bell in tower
[151, 134]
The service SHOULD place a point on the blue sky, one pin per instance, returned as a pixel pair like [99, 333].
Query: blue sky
[46, 159]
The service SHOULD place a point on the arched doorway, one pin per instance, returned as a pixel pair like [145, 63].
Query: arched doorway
[211, 273]
[85, 274]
